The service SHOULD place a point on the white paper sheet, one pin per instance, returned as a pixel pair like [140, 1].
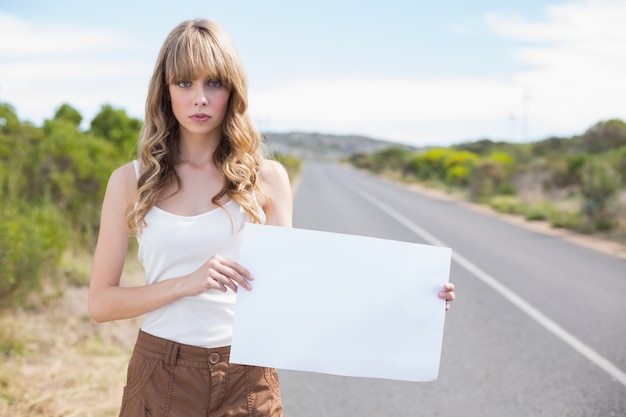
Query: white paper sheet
[341, 304]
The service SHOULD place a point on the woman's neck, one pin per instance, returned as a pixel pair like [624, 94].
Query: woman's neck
[198, 150]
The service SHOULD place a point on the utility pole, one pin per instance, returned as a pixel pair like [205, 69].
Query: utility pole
[512, 127]
[525, 113]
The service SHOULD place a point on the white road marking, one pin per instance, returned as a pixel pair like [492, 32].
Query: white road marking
[558, 331]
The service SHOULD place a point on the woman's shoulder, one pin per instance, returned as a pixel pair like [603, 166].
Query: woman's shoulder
[125, 172]
[271, 167]
[277, 189]
[273, 172]
[124, 179]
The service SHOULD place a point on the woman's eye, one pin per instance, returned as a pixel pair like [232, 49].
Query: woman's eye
[215, 83]
[184, 84]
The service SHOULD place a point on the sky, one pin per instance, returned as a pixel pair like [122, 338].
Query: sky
[408, 71]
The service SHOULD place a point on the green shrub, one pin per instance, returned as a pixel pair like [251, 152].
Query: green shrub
[32, 240]
[565, 219]
[458, 175]
[567, 171]
[551, 146]
[505, 160]
[600, 187]
[458, 167]
[52, 180]
[488, 176]
[539, 211]
[361, 160]
[619, 161]
[605, 136]
[508, 204]
[117, 128]
[393, 158]
[429, 164]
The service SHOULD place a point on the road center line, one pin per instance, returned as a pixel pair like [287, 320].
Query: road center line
[558, 331]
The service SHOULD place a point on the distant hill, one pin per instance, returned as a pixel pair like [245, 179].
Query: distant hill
[324, 146]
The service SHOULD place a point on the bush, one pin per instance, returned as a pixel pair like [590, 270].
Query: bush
[428, 165]
[361, 160]
[508, 204]
[32, 240]
[551, 146]
[600, 187]
[117, 128]
[620, 163]
[539, 211]
[458, 175]
[52, 179]
[568, 171]
[393, 158]
[489, 176]
[459, 167]
[565, 219]
[605, 136]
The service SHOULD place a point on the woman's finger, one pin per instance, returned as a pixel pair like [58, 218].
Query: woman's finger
[230, 273]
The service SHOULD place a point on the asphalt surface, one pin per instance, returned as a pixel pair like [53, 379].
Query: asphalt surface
[538, 329]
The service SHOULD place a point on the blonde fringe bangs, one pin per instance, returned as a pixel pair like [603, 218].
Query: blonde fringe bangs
[202, 53]
[193, 49]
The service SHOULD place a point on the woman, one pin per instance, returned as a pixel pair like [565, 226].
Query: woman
[199, 178]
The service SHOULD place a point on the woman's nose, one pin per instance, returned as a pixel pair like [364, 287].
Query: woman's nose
[200, 98]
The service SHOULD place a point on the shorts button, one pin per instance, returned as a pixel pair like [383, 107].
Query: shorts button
[214, 358]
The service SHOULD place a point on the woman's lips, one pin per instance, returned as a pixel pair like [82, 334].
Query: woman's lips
[199, 117]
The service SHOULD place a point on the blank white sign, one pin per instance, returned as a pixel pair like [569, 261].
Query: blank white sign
[341, 304]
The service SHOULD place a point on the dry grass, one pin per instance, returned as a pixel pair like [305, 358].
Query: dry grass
[58, 362]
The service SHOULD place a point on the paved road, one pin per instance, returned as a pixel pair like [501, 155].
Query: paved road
[539, 328]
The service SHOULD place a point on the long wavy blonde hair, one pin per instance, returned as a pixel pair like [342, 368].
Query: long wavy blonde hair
[197, 47]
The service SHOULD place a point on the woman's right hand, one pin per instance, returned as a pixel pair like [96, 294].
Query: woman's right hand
[218, 273]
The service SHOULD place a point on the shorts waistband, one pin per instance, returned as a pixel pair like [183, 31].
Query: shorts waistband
[174, 353]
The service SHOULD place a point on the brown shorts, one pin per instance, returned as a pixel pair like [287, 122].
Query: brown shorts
[171, 379]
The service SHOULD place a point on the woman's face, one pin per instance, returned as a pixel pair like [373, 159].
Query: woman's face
[200, 106]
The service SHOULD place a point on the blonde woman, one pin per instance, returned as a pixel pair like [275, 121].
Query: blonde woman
[199, 178]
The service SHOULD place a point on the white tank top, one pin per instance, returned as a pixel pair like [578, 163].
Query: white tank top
[171, 246]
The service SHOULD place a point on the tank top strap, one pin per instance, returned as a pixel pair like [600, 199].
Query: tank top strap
[137, 168]
[259, 208]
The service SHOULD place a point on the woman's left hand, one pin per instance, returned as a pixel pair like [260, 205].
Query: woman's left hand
[447, 294]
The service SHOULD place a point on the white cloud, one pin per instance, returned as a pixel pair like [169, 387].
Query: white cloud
[576, 63]
[20, 38]
[68, 69]
[355, 99]
[43, 66]
[387, 108]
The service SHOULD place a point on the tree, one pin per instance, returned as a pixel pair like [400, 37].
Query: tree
[117, 127]
[32, 232]
[69, 114]
[9, 122]
[605, 136]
